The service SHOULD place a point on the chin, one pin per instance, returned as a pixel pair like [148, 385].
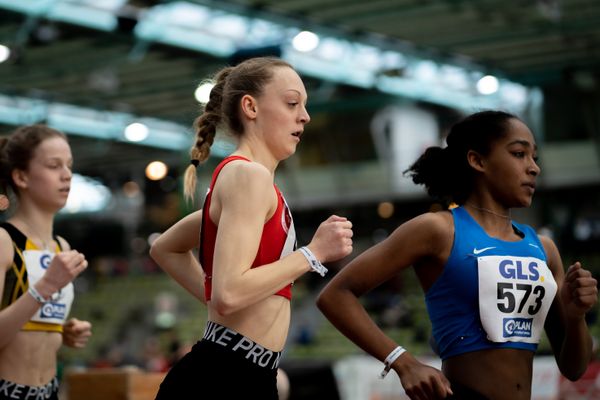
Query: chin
[524, 203]
[287, 154]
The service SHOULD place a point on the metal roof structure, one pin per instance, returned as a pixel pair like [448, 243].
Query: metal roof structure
[93, 67]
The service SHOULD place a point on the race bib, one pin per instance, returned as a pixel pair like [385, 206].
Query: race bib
[515, 294]
[287, 223]
[56, 310]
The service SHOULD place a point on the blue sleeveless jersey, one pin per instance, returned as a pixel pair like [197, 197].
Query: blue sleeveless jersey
[453, 300]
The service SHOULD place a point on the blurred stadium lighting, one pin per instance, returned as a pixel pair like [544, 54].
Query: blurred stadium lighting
[305, 41]
[136, 132]
[87, 195]
[334, 57]
[156, 170]
[488, 85]
[202, 92]
[4, 53]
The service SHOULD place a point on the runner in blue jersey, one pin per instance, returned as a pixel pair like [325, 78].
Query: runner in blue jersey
[492, 286]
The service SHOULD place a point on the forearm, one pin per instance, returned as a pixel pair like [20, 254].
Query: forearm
[576, 350]
[185, 270]
[233, 291]
[15, 316]
[345, 312]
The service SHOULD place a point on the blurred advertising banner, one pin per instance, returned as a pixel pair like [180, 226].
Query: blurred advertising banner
[358, 379]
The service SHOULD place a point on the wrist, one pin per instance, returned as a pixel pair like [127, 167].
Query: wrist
[314, 252]
[44, 289]
[391, 359]
[313, 262]
[36, 295]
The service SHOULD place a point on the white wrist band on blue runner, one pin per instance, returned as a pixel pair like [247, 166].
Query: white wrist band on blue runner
[389, 360]
[36, 295]
[315, 264]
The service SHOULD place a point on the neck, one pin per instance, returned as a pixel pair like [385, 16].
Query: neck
[257, 153]
[505, 215]
[36, 225]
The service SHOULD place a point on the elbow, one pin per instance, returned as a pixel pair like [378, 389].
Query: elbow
[224, 304]
[573, 374]
[158, 253]
[155, 251]
[323, 302]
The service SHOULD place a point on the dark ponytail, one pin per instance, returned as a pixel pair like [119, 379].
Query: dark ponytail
[446, 173]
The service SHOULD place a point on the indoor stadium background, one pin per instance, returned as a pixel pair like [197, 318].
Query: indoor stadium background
[385, 79]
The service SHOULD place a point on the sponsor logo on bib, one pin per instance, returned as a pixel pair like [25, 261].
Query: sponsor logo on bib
[45, 260]
[53, 310]
[519, 327]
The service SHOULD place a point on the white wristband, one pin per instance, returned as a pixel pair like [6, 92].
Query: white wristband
[389, 360]
[315, 264]
[36, 295]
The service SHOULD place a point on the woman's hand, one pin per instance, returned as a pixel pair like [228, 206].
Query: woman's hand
[76, 333]
[64, 267]
[420, 381]
[332, 240]
[579, 291]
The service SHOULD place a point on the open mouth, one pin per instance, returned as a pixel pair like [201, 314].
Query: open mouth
[297, 134]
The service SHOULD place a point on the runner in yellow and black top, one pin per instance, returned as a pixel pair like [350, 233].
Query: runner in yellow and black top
[36, 268]
[29, 265]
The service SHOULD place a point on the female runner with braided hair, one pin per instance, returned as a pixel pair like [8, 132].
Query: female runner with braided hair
[247, 250]
[472, 258]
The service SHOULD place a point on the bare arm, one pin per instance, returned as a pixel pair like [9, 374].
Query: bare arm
[565, 325]
[173, 252]
[425, 237]
[246, 199]
[63, 269]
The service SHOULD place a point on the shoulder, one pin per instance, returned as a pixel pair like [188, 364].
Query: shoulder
[552, 254]
[433, 229]
[6, 249]
[240, 169]
[64, 245]
[435, 224]
[249, 178]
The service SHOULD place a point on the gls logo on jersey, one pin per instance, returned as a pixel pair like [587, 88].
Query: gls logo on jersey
[510, 269]
[520, 327]
[53, 310]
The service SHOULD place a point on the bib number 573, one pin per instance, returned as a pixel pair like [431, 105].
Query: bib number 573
[508, 293]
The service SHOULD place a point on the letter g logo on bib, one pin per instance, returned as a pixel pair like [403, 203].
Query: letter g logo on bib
[515, 294]
[45, 260]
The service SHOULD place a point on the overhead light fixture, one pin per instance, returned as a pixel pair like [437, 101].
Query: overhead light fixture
[385, 209]
[488, 85]
[156, 170]
[4, 53]
[86, 195]
[202, 92]
[136, 132]
[305, 41]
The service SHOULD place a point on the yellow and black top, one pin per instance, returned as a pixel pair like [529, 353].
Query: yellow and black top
[28, 266]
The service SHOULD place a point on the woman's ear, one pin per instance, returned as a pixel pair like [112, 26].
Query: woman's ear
[249, 106]
[19, 177]
[475, 160]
